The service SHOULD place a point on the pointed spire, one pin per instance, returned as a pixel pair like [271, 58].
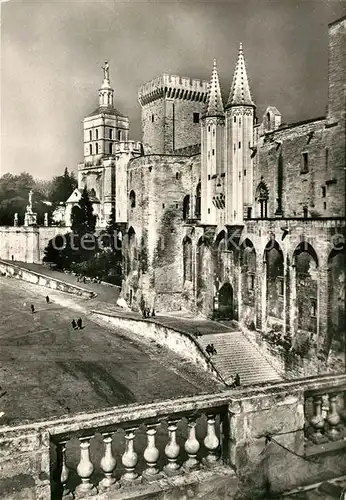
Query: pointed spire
[240, 90]
[214, 100]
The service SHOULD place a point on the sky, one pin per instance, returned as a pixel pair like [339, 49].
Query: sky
[52, 53]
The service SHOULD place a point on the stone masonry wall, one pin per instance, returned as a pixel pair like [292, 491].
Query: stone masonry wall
[26, 244]
[160, 184]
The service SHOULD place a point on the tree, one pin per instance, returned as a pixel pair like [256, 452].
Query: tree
[14, 192]
[83, 218]
[62, 187]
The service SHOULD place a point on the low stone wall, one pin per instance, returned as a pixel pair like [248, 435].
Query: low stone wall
[180, 342]
[268, 448]
[25, 465]
[17, 272]
[26, 244]
[262, 440]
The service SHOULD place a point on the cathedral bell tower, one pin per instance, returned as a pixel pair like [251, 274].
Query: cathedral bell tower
[240, 110]
[212, 155]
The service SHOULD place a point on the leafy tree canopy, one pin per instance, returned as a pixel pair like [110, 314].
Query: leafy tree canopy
[14, 195]
[62, 187]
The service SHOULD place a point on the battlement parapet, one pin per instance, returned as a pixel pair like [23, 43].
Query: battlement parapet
[173, 87]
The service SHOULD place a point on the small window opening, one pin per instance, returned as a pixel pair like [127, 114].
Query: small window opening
[305, 212]
[111, 133]
[305, 163]
[281, 286]
[152, 118]
[177, 176]
[208, 210]
[208, 128]
[213, 152]
[196, 118]
[119, 135]
[90, 149]
[90, 135]
[239, 145]
[96, 149]
[249, 212]
[132, 199]
[323, 191]
[97, 134]
[327, 157]
[111, 149]
[251, 281]
[313, 308]
[324, 206]
[235, 119]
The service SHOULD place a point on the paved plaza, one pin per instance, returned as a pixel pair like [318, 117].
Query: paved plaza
[48, 369]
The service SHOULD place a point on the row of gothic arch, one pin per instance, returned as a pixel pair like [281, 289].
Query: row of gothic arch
[284, 280]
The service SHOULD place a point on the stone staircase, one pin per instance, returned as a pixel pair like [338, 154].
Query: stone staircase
[236, 354]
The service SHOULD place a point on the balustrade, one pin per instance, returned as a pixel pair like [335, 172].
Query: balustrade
[184, 444]
[325, 418]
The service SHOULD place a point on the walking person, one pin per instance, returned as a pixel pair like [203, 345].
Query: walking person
[32, 308]
[79, 323]
[74, 324]
[47, 299]
[213, 350]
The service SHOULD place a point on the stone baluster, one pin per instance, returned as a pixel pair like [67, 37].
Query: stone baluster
[63, 472]
[317, 421]
[333, 418]
[192, 445]
[211, 441]
[108, 464]
[151, 453]
[172, 449]
[85, 469]
[130, 457]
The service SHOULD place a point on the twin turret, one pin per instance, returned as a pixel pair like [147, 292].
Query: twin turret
[227, 138]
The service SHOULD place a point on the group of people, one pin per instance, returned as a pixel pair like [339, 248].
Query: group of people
[77, 325]
[210, 349]
[147, 314]
[32, 307]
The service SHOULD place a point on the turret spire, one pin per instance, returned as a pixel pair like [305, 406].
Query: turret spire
[240, 89]
[214, 99]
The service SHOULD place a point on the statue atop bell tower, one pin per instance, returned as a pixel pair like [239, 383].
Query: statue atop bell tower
[106, 71]
[106, 91]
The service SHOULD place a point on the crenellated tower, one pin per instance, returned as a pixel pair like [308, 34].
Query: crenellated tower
[212, 155]
[171, 110]
[240, 111]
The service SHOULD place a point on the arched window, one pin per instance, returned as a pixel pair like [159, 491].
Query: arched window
[90, 149]
[96, 149]
[111, 133]
[305, 212]
[110, 148]
[306, 269]
[275, 279]
[262, 196]
[187, 259]
[90, 135]
[186, 207]
[268, 121]
[119, 135]
[97, 134]
[198, 201]
[132, 199]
